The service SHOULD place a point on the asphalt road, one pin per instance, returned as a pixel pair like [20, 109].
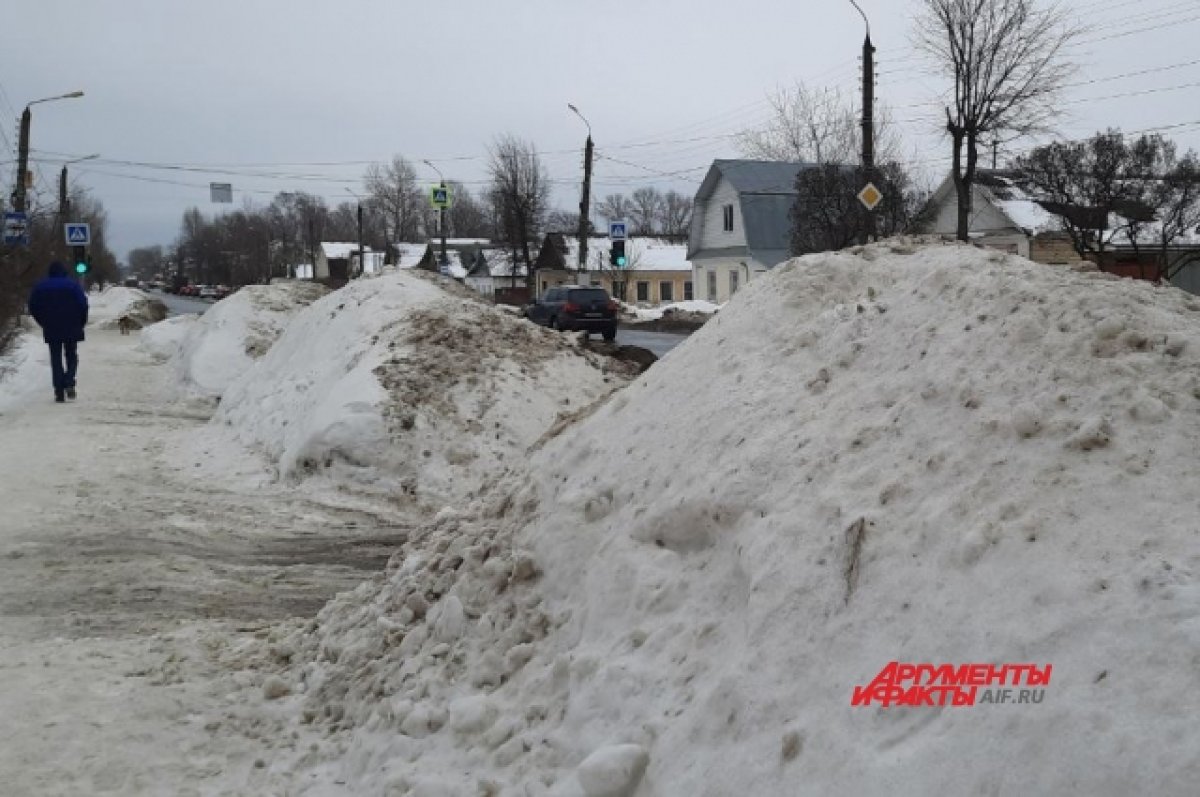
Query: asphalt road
[658, 342]
[181, 305]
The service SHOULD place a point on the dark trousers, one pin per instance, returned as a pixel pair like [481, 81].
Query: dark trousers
[64, 373]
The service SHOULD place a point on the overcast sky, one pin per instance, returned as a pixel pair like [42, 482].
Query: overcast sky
[275, 95]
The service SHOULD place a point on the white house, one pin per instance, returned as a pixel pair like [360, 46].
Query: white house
[339, 261]
[741, 224]
[1003, 216]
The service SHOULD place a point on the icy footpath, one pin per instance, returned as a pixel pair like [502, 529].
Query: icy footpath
[918, 454]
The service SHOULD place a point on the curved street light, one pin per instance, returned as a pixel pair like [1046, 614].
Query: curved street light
[23, 147]
[585, 198]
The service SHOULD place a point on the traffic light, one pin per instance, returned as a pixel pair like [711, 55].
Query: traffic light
[82, 262]
[617, 255]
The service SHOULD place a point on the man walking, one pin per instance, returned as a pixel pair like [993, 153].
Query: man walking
[60, 307]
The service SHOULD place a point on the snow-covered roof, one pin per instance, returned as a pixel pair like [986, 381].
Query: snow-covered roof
[1015, 203]
[500, 263]
[409, 255]
[455, 267]
[643, 254]
[338, 250]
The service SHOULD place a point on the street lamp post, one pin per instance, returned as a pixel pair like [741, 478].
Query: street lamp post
[445, 260]
[64, 200]
[868, 115]
[23, 148]
[585, 200]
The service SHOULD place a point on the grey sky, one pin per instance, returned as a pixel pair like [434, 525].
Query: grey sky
[663, 82]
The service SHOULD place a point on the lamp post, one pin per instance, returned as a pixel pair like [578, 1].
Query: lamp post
[64, 201]
[23, 147]
[585, 200]
[868, 115]
[445, 261]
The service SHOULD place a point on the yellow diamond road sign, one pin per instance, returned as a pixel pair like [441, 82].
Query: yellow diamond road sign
[870, 196]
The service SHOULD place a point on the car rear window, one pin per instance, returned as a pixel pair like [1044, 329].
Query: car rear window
[589, 295]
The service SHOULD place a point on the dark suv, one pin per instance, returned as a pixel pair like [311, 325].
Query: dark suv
[574, 307]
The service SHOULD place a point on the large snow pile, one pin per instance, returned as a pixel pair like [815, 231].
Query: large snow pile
[402, 388]
[926, 455]
[106, 308]
[210, 351]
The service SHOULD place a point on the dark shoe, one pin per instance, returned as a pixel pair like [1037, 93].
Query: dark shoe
[70, 392]
[58, 396]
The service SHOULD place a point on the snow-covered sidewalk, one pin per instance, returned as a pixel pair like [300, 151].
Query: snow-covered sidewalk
[124, 576]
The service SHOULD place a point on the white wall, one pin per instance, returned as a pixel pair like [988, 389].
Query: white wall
[989, 227]
[746, 269]
[713, 234]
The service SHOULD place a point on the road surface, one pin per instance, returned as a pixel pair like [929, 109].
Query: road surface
[181, 305]
[658, 342]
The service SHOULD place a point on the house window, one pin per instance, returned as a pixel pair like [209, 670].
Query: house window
[619, 290]
[666, 291]
[643, 291]
[712, 286]
[727, 213]
[544, 286]
[687, 291]
[733, 283]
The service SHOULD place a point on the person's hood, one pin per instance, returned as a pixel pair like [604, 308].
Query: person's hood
[57, 269]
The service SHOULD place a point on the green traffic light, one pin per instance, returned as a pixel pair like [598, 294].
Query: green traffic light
[620, 261]
[81, 268]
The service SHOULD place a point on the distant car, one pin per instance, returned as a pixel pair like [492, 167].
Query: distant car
[223, 291]
[575, 307]
[209, 292]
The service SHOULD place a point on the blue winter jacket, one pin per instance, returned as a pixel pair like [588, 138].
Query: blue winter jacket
[59, 306]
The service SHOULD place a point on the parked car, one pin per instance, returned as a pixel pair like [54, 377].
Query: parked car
[223, 291]
[575, 307]
[209, 292]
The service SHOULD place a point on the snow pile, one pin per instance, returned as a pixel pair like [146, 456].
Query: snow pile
[688, 308]
[212, 350]
[24, 370]
[402, 388]
[164, 340]
[108, 307]
[926, 455]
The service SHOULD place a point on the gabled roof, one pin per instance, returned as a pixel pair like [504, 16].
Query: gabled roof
[1000, 190]
[766, 192]
[336, 250]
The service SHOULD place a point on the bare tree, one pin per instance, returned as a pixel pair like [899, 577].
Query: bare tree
[1089, 183]
[615, 207]
[467, 216]
[394, 191]
[520, 192]
[647, 210]
[1176, 200]
[816, 125]
[1004, 58]
[827, 214]
[676, 217]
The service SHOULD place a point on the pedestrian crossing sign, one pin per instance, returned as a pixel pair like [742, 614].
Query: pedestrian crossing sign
[78, 234]
[439, 196]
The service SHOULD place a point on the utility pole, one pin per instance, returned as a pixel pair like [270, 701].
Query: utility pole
[442, 227]
[362, 263]
[22, 161]
[585, 200]
[868, 118]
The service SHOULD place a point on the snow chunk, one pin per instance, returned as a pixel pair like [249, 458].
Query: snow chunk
[613, 771]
